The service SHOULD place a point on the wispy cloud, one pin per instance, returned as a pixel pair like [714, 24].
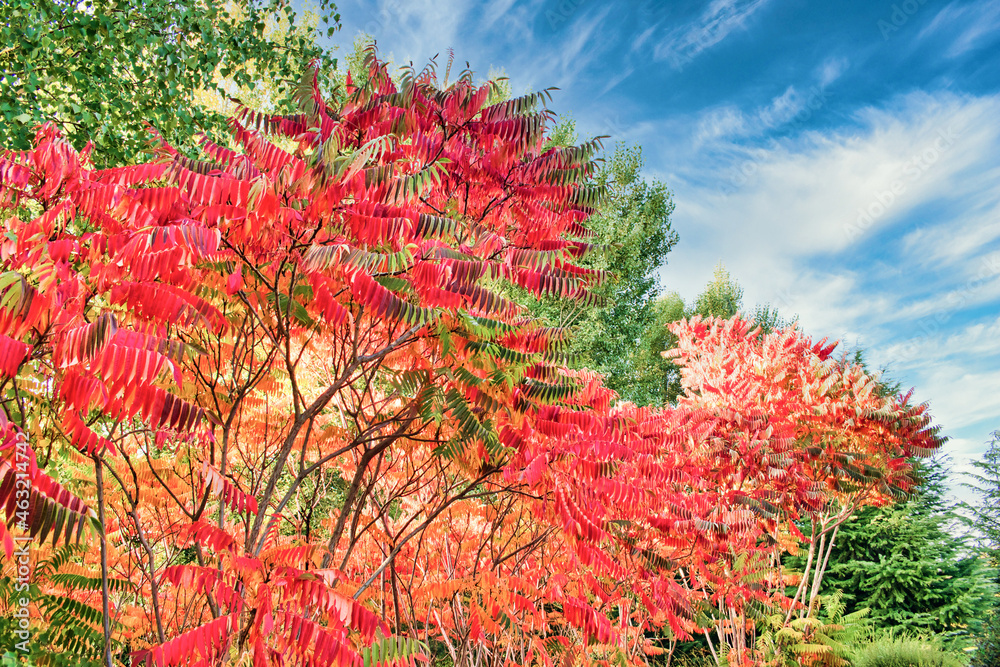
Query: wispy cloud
[977, 339]
[581, 46]
[416, 30]
[830, 70]
[408, 30]
[793, 228]
[496, 10]
[964, 397]
[794, 105]
[716, 22]
[969, 25]
[977, 229]
[721, 123]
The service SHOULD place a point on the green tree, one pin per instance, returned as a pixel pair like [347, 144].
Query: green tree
[633, 229]
[100, 69]
[988, 642]
[722, 297]
[984, 518]
[985, 513]
[654, 370]
[909, 564]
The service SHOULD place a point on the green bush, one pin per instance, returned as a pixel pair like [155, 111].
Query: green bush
[692, 657]
[903, 652]
[987, 653]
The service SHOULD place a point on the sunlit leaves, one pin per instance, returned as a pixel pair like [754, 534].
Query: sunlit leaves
[307, 367]
[143, 63]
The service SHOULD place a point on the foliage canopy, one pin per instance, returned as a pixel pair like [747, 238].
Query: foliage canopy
[284, 390]
[100, 70]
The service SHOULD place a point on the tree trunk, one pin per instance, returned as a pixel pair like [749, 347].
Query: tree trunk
[105, 599]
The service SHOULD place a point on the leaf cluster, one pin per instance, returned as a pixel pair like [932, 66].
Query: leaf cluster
[101, 70]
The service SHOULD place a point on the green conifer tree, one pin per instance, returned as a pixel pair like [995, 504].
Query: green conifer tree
[911, 565]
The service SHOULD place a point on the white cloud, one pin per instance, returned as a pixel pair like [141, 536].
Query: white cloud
[962, 452]
[793, 107]
[930, 346]
[407, 30]
[720, 123]
[715, 23]
[978, 228]
[615, 80]
[971, 25]
[819, 194]
[581, 46]
[640, 41]
[496, 10]
[962, 397]
[977, 285]
[831, 70]
[417, 30]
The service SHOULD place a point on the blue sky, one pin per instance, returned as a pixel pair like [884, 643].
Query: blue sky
[841, 159]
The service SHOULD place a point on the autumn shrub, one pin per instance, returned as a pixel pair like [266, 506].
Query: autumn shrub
[284, 399]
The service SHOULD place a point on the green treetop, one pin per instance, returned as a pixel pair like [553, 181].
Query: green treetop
[722, 297]
[633, 226]
[102, 69]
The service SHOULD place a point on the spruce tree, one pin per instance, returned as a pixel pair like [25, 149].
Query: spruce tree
[911, 565]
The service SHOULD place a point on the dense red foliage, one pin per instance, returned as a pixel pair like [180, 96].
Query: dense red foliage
[295, 381]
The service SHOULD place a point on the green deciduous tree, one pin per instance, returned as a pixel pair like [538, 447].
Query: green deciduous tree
[633, 227]
[722, 297]
[102, 69]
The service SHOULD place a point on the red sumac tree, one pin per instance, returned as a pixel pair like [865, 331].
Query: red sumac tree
[287, 388]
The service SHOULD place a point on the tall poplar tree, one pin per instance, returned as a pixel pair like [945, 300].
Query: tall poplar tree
[633, 234]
